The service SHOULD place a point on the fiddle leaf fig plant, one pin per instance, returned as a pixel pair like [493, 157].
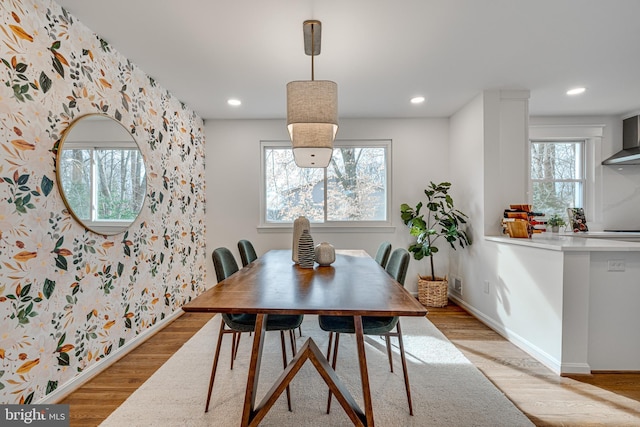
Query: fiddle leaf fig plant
[440, 221]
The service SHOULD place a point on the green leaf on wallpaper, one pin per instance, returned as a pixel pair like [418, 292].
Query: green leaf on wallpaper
[55, 45]
[120, 269]
[51, 386]
[23, 179]
[57, 65]
[59, 242]
[46, 185]
[61, 341]
[29, 398]
[61, 262]
[25, 290]
[63, 359]
[21, 67]
[45, 82]
[49, 286]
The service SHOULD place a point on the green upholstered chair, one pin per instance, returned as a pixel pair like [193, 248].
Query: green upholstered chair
[382, 256]
[247, 252]
[373, 325]
[226, 265]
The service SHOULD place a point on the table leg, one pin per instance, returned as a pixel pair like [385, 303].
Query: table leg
[364, 374]
[254, 370]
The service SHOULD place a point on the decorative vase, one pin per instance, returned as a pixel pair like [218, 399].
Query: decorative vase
[325, 253]
[555, 228]
[305, 250]
[301, 223]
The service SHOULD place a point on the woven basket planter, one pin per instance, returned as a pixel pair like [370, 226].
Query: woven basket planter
[433, 293]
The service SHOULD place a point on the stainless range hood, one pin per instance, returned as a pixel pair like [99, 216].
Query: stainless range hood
[630, 154]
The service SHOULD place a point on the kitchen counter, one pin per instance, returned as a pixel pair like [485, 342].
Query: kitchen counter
[590, 241]
[569, 299]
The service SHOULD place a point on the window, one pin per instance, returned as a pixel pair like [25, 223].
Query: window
[104, 185]
[557, 175]
[353, 189]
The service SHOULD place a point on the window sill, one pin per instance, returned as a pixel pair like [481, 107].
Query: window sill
[322, 228]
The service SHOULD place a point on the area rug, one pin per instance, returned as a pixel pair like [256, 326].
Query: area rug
[447, 389]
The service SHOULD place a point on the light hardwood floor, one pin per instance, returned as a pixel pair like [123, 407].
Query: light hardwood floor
[611, 399]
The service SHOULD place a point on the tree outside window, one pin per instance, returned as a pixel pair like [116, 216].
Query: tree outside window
[353, 188]
[106, 184]
[557, 176]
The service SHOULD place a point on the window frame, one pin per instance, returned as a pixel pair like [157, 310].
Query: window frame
[93, 222]
[582, 168]
[364, 226]
[593, 134]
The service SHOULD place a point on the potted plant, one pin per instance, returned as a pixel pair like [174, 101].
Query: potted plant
[441, 221]
[555, 222]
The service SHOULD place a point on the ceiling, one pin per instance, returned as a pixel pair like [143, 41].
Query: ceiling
[380, 52]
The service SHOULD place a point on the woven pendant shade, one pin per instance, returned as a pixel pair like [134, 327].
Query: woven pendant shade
[312, 121]
[312, 109]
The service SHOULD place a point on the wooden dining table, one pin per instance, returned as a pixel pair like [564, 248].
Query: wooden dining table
[354, 285]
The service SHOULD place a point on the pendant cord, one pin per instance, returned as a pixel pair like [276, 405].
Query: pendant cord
[312, 50]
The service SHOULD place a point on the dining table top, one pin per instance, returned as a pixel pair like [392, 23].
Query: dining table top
[354, 285]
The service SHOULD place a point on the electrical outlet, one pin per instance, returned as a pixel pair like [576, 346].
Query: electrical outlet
[487, 285]
[615, 265]
[457, 285]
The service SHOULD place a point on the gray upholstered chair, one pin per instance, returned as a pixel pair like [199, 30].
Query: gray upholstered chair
[247, 252]
[373, 325]
[225, 265]
[382, 256]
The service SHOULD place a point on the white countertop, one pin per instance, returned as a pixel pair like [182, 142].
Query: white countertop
[590, 241]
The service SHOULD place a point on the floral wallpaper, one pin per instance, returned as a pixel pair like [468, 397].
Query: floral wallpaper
[69, 297]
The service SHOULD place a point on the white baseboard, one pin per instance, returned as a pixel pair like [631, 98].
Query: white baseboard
[576, 368]
[540, 355]
[72, 385]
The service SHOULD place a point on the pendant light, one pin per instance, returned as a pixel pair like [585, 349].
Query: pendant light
[312, 110]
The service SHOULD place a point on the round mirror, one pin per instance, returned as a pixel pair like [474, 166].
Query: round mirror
[101, 174]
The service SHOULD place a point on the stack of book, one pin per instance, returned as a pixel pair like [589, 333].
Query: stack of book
[521, 222]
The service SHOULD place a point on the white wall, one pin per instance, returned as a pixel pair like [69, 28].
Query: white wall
[420, 153]
[488, 136]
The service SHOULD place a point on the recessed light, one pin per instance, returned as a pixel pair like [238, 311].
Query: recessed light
[234, 102]
[576, 91]
[417, 100]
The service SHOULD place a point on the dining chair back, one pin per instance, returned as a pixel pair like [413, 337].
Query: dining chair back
[398, 265]
[247, 252]
[382, 256]
[373, 325]
[224, 263]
